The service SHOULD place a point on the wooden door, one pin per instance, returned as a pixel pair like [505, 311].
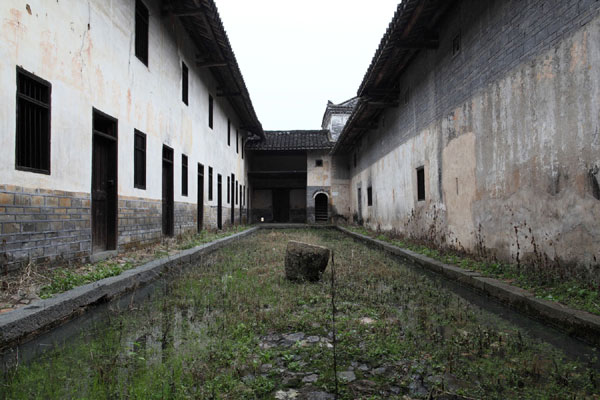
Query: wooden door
[219, 202]
[232, 199]
[167, 192]
[104, 183]
[200, 206]
[281, 205]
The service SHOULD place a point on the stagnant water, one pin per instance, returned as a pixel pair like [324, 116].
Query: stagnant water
[233, 327]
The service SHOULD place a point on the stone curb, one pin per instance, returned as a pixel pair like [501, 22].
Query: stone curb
[577, 323]
[40, 316]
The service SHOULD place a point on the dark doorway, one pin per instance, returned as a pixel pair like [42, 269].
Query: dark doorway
[200, 205]
[281, 205]
[359, 198]
[104, 182]
[219, 202]
[321, 208]
[232, 202]
[167, 191]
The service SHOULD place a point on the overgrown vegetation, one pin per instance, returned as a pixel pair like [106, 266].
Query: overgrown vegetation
[542, 279]
[35, 281]
[235, 328]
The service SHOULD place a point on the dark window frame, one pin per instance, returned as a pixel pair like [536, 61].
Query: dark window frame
[139, 159]
[369, 196]
[228, 132]
[236, 193]
[185, 82]
[211, 107]
[184, 175]
[142, 31]
[237, 141]
[21, 100]
[228, 189]
[421, 195]
[210, 183]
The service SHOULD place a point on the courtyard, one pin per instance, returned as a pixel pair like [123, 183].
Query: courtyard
[232, 327]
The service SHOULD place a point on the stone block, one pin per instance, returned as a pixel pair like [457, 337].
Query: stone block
[51, 201]
[7, 198]
[11, 228]
[64, 202]
[37, 201]
[305, 261]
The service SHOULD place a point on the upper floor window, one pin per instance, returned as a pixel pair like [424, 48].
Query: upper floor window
[237, 140]
[141, 31]
[33, 123]
[228, 133]
[318, 163]
[369, 196]
[210, 111]
[184, 83]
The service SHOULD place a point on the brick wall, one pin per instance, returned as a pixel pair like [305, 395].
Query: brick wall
[47, 226]
[42, 225]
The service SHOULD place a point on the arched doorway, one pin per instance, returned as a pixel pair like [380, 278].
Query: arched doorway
[321, 208]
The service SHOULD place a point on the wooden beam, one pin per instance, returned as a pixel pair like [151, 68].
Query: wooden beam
[228, 94]
[417, 44]
[383, 104]
[208, 64]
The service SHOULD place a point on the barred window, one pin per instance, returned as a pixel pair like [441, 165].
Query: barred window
[33, 123]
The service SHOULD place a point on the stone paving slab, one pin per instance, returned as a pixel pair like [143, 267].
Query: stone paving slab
[577, 323]
[40, 316]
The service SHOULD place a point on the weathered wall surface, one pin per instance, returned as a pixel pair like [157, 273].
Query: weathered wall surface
[507, 132]
[86, 51]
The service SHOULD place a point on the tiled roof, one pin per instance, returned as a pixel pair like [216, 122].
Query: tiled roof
[292, 140]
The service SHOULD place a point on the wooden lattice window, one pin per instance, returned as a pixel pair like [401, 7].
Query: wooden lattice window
[139, 160]
[33, 123]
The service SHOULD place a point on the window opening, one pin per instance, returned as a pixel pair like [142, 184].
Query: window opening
[184, 175]
[139, 159]
[33, 123]
[420, 183]
[184, 83]
[369, 196]
[141, 31]
[210, 183]
[210, 111]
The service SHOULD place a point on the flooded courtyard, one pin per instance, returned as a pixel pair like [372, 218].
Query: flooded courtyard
[233, 327]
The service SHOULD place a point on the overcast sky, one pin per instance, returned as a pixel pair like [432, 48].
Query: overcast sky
[296, 55]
